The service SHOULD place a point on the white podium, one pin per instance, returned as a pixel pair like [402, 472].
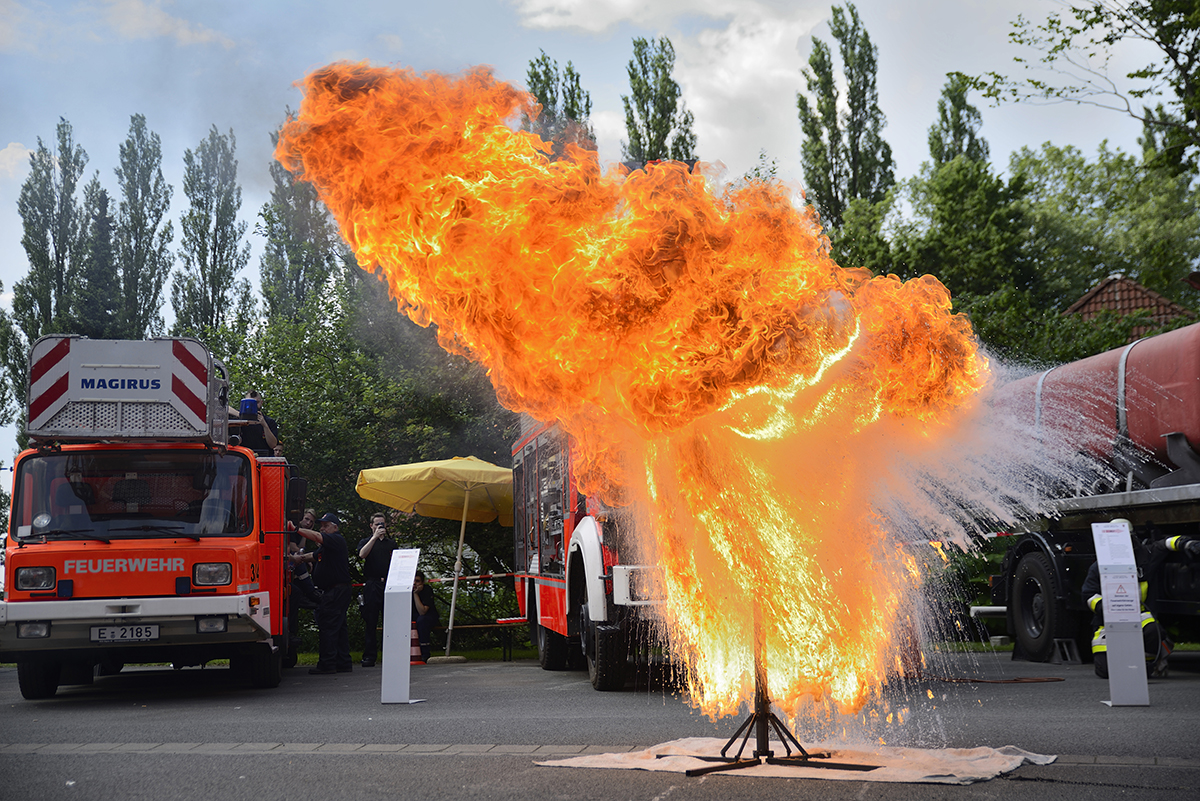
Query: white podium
[397, 627]
[1127, 685]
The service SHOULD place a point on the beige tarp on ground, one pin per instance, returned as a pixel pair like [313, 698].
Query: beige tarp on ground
[916, 765]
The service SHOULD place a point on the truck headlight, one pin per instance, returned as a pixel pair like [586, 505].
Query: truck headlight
[211, 574]
[33, 630]
[35, 578]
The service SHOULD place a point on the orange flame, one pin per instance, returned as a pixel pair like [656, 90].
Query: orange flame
[713, 365]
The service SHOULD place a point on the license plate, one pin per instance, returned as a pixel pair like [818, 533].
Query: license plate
[142, 632]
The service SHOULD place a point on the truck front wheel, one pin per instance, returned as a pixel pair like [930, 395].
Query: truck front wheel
[1039, 616]
[266, 667]
[38, 679]
[552, 649]
[604, 650]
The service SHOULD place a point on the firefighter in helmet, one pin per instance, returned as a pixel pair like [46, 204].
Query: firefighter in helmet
[1157, 645]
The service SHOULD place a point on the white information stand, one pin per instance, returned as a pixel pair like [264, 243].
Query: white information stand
[397, 627]
[1127, 685]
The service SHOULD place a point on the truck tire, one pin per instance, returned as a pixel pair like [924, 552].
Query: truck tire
[1039, 616]
[552, 649]
[266, 667]
[607, 669]
[38, 679]
[604, 651]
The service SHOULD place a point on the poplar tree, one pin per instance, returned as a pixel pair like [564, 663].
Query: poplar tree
[96, 298]
[51, 223]
[956, 131]
[206, 293]
[566, 108]
[144, 233]
[302, 243]
[50, 218]
[844, 155]
[656, 118]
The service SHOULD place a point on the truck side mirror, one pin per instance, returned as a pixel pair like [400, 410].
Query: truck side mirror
[297, 495]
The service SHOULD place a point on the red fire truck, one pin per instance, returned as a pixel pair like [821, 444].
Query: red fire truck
[1135, 411]
[581, 599]
[139, 531]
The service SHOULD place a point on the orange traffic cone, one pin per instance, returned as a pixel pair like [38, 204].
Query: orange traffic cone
[415, 649]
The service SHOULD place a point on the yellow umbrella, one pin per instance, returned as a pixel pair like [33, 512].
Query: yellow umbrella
[463, 488]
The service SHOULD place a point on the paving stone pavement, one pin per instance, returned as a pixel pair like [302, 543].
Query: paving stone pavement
[446, 749]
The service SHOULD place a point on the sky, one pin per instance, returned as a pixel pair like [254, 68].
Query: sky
[190, 65]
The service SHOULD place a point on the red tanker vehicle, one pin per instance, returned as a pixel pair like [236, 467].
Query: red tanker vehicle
[1135, 411]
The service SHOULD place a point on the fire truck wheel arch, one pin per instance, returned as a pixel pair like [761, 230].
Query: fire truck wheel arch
[585, 545]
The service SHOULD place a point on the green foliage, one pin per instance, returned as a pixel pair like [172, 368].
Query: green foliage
[656, 119]
[970, 230]
[353, 384]
[206, 293]
[95, 290]
[143, 231]
[1016, 328]
[50, 217]
[954, 134]
[564, 116]
[844, 155]
[1115, 215]
[1076, 45]
[302, 243]
[861, 240]
[51, 236]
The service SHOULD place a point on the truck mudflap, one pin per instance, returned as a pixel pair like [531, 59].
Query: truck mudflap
[88, 624]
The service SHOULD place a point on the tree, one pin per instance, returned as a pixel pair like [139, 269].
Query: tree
[1116, 214]
[50, 217]
[566, 109]
[143, 232]
[656, 119]
[302, 243]
[96, 299]
[954, 134]
[355, 384]
[844, 155]
[970, 231]
[1076, 46]
[207, 293]
[1012, 325]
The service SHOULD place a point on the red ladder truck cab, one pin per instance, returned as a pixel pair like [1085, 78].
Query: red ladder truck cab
[580, 597]
[139, 531]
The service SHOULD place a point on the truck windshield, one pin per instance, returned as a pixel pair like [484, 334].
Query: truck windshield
[132, 495]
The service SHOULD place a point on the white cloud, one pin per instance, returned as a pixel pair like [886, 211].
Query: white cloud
[740, 82]
[20, 27]
[147, 19]
[597, 16]
[391, 42]
[738, 64]
[14, 160]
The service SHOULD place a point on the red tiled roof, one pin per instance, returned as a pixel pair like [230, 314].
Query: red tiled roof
[1126, 296]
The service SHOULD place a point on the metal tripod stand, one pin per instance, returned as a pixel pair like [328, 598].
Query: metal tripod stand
[761, 721]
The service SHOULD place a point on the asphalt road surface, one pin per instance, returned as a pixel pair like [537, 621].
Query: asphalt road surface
[195, 734]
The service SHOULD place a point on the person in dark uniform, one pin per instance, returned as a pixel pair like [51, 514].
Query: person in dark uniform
[423, 612]
[305, 594]
[262, 434]
[1149, 557]
[332, 577]
[376, 553]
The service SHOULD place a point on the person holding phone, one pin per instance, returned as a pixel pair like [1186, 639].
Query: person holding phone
[376, 553]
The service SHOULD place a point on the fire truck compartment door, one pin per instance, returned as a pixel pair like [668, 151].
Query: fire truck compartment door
[585, 541]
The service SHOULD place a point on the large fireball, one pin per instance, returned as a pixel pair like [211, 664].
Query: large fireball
[716, 370]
